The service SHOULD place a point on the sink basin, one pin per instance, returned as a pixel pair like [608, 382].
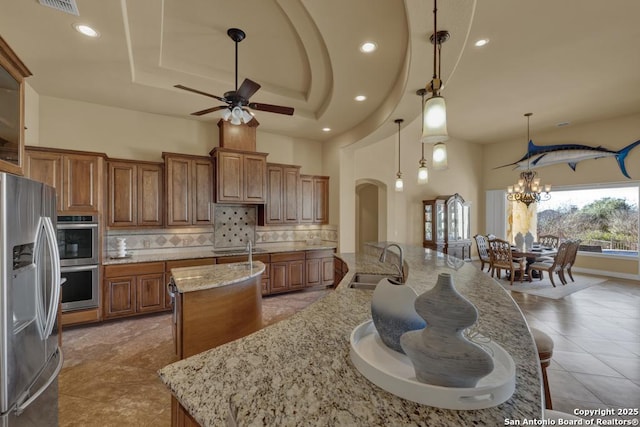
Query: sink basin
[370, 280]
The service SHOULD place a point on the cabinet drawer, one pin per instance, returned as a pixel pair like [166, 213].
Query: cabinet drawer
[189, 263]
[324, 253]
[288, 256]
[133, 269]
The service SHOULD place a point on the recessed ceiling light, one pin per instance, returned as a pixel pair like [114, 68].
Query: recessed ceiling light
[326, 129]
[563, 124]
[368, 47]
[86, 30]
[360, 98]
[481, 42]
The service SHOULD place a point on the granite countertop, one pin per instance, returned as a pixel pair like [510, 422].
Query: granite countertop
[189, 279]
[298, 371]
[210, 252]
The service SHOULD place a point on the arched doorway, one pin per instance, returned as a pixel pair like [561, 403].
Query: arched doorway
[371, 212]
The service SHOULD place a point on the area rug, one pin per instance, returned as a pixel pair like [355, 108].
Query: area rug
[544, 288]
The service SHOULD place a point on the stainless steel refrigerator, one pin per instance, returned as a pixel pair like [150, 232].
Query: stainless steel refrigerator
[30, 358]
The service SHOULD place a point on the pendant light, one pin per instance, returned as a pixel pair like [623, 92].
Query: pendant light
[440, 156]
[423, 171]
[528, 189]
[399, 182]
[435, 110]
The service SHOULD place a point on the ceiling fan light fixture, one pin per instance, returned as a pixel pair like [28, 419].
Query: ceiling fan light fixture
[246, 117]
[226, 114]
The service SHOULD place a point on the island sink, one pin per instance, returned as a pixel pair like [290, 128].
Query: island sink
[370, 281]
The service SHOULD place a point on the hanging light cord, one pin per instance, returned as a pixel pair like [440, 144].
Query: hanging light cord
[422, 159]
[435, 35]
[399, 121]
[528, 115]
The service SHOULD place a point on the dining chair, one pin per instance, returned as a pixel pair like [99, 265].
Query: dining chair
[502, 259]
[483, 251]
[552, 267]
[570, 258]
[549, 241]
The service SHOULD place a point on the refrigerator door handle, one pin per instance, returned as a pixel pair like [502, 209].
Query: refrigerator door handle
[22, 405]
[55, 264]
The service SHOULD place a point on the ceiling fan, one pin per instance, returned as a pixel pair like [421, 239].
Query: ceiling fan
[237, 101]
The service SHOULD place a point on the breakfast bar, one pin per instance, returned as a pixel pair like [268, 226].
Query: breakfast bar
[299, 372]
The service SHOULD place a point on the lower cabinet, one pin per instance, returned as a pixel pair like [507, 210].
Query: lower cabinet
[180, 417]
[340, 269]
[319, 268]
[287, 271]
[196, 262]
[131, 289]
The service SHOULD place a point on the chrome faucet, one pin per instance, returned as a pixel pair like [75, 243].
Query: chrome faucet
[383, 257]
[249, 249]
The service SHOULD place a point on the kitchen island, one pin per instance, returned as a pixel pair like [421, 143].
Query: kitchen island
[299, 372]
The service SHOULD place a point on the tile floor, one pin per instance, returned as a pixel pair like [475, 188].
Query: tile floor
[109, 377]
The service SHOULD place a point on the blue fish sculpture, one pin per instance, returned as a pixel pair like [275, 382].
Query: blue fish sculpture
[544, 155]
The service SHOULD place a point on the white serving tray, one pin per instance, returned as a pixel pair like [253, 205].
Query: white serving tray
[394, 372]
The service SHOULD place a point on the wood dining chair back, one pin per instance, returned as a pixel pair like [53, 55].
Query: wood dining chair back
[482, 245]
[549, 241]
[570, 258]
[552, 267]
[502, 259]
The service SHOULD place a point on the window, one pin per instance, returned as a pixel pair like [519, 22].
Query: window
[604, 218]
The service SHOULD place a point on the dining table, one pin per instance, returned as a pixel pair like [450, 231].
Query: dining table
[531, 255]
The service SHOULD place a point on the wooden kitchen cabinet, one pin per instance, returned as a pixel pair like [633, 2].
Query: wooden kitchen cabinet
[340, 270]
[319, 268]
[135, 194]
[12, 75]
[130, 289]
[241, 176]
[189, 189]
[283, 195]
[77, 177]
[287, 271]
[314, 206]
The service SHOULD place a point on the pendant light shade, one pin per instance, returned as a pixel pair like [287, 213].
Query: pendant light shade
[423, 173]
[440, 156]
[399, 183]
[435, 121]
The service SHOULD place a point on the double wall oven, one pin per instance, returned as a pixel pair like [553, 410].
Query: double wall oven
[78, 246]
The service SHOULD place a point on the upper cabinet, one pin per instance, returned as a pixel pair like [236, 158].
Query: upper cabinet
[12, 75]
[283, 195]
[189, 189]
[447, 226]
[76, 176]
[314, 207]
[241, 176]
[135, 194]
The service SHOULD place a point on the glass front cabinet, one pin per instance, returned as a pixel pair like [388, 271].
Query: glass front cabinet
[446, 226]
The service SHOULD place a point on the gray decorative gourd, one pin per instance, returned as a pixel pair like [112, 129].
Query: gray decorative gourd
[440, 354]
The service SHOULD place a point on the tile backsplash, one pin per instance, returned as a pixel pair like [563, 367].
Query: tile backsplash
[233, 225]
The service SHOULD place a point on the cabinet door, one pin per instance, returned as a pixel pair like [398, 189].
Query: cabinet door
[274, 213]
[279, 277]
[179, 181]
[150, 290]
[81, 183]
[255, 175]
[122, 191]
[296, 274]
[328, 271]
[202, 191]
[45, 167]
[290, 195]
[150, 197]
[229, 183]
[119, 297]
[321, 200]
[313, 272]
[306, 205]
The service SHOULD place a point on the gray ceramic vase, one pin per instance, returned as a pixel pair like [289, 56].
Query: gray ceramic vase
[393, 312]
[440, 354]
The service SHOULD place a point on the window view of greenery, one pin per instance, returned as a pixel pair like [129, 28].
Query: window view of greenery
[604, 219]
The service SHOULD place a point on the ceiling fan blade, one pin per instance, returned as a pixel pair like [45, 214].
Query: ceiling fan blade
[209, 110]
[200, 92]
[247, 89]
[271, 108]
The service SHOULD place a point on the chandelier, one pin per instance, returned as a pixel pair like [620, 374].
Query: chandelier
[528, 189]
